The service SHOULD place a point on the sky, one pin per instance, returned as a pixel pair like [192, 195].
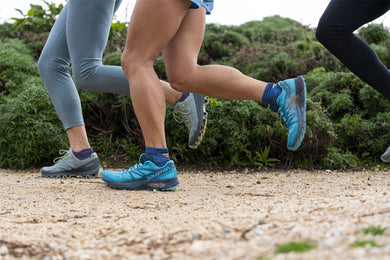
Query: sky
[226, 12]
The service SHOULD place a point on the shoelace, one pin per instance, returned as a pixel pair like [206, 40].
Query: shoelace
[180, 114]
[63, 155]
[134, 167]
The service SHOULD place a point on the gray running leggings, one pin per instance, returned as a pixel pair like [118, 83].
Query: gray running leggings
[79, 37]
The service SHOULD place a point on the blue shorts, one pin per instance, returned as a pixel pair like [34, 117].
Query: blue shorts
[208, 4]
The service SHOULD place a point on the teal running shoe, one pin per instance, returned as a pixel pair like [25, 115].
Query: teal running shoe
[69, 166]
[386, 156]
[192, 111]
[292, 108]
[144, 176]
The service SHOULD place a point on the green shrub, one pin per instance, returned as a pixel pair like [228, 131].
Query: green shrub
[117, 37]
[337, 159]
[374, 33]
[16, 66]
[348, 123]
[320, 134]
[34, 27]
[38, 19]
[233, 126]
[273, 28]
[372, 102]
[30, 130]
[383, 52]
[113, 58]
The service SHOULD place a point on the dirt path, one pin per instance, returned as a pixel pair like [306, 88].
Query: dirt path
[211, 215]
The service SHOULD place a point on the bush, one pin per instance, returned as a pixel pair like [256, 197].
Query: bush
[16, 66]
[233, 126]
[113, 58]
[374, 34]
[348, 123]
[30, 129]
[34, 27]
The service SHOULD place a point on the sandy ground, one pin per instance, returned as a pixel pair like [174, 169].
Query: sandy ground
[211, 215]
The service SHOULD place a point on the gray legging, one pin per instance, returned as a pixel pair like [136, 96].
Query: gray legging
[79, 37]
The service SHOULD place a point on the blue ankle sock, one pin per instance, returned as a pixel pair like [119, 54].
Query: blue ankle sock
[271, 93]
[184, 95]
[160, 156]
[83, 154]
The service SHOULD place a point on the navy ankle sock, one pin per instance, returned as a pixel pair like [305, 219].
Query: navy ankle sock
[160, 156]
[184, 95]
[271, 93]
[83, 154]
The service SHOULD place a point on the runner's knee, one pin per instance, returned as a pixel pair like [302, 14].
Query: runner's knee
[180, 83]
[183, 80]
[52, 67]
[329, 32]
[323, 32]
[85, 74]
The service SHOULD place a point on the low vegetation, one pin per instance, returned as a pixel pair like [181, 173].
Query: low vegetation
[348, 122]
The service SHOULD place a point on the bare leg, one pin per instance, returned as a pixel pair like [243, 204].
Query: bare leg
[169, 27]
[78, 138]
[181, 55]
[143, 46]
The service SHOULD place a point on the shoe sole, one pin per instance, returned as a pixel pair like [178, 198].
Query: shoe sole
[201, 98]
[88, 174]
[160, 185]
[300, 89]
[386, 157]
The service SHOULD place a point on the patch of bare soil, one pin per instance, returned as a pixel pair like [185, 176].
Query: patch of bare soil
[211, 215]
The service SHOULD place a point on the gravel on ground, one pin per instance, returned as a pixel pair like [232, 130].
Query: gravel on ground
[213, 214]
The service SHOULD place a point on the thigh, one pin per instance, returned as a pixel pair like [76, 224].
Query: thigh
[181, 53]
[56, 46]
[87, 28]
[352, 14]
[153, 24]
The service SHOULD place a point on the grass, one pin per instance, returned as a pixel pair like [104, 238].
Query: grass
[376, 231]
[296, 246]
[364, 243]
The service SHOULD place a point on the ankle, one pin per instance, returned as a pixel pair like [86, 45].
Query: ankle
[270, 95]
[183, 97]
[160, 156]
[83, 154]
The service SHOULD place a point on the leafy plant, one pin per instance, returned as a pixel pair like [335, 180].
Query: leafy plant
[30, 130]
[117, 37]
[337, 159]
[261, 160]
[374, 230]
[38, 18]
[16, 66]
[348, 123]
[374, 33]
[296, 246]
[364, 243]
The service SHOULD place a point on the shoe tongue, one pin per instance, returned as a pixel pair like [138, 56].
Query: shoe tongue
[145, 157]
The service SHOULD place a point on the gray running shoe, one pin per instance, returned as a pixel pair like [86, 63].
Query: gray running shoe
[69, 166]
[386, 156]
[192, 111]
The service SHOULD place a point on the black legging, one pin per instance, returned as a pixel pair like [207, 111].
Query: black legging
[335, 31]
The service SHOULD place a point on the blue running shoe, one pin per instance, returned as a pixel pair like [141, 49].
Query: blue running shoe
[292, 108]
[144, 176]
